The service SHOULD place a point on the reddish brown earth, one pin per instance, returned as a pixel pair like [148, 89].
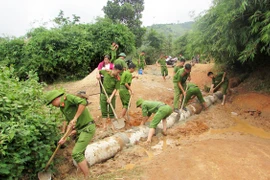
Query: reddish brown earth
[223, 142]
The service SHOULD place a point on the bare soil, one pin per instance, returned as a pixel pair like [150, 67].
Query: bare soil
[223, 142]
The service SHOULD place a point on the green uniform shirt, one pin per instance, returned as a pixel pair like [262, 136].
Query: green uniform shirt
[109, 82]
[126, 78]
[176, 68]
[69, 105]
[162, 62]
[149, 107]
[121, 62]
[113, 51]
[191, 85]
[142, 59]
[218, 78]
[179, 77]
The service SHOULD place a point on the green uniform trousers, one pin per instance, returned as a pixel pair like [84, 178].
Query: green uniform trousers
[141, 66]
[193, 91]
[163, 112]
[124, 96]
[164, 71]
[177, 93]
[84, 136]
[103, 106]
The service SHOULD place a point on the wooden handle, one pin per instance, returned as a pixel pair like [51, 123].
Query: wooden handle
[108, 98]
[57, 148]
[217, 86]
[182, 105]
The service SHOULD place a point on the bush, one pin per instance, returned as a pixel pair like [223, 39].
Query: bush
[28, 131]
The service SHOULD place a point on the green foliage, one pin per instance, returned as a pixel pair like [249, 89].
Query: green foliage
[66, 52]
[61, 20]
[232, 32]
[28, 132]
[174, 30]
[153, 45]
[128, 12]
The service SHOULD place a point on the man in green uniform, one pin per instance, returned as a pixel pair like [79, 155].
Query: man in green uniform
[194, 91]
[125, 88]
[162, 63]
[121, 61]
[80, 120]
[219, 81]
[111, 83]
[180, 64]
[114, 48]
[179, 82]
[141, 61]
[161, 110]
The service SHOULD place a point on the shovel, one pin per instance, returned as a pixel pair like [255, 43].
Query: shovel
[45, 175]
[119, 123]
[182, 105]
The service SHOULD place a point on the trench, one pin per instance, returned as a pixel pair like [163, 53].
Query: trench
[107, 148]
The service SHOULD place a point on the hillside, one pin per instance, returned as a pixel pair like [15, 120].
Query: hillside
[176, 30]
[213, 143]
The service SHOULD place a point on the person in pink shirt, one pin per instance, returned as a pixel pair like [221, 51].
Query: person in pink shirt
[105, 64]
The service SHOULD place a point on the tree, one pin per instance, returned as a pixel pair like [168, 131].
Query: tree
[153, 45]
[233, 32]
[128, 12]
[60, 20]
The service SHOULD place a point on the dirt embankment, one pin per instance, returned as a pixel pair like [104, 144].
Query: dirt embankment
[223, 142]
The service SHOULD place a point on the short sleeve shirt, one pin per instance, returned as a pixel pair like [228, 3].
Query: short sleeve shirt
[69, 105]
[110, 82]
[218, 78]
[162, 62]
[176, 68]
[180, 77]
[149, 107]
[142, 58]
[121, 62]
[126, 78]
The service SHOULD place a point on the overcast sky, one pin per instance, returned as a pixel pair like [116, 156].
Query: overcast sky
[19, 16]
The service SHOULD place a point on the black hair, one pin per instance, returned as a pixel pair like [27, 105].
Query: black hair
[187, 66]
[209, 73]
[107, 56]
[131, 66]
[118, 66]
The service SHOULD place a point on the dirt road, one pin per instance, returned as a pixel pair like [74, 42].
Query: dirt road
[223, 142]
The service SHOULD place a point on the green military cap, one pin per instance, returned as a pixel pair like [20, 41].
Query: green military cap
[122, 55]
[139, 102]
[51, 95]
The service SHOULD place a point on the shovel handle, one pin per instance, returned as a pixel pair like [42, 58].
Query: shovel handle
[182, 105]
[57, 148]
[108, 98]
[217, 86]
[129, 107]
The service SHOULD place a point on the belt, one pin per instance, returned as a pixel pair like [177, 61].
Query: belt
[91, 122]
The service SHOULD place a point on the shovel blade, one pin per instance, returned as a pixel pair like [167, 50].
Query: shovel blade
[119, 123]
[44, 176]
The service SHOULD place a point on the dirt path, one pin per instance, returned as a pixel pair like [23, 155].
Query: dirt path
[230, 142]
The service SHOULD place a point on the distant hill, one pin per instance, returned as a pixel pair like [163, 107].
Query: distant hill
[176, 30]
